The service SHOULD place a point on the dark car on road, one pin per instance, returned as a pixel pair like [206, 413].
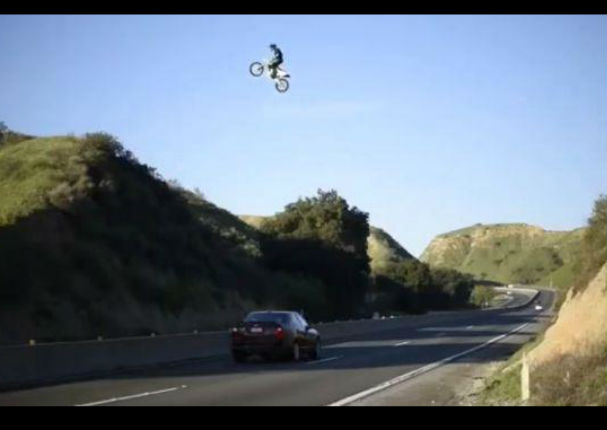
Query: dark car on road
[274, 334]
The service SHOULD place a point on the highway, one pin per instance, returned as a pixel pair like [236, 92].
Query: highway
[348, 370]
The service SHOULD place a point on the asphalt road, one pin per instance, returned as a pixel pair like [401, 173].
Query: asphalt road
[346, 371]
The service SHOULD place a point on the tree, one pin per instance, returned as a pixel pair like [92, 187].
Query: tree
[481, 295]
[325, 238]
[425, 287]
[412, 273]
[326, 217]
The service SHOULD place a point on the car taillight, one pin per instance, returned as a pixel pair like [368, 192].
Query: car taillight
[279, 333]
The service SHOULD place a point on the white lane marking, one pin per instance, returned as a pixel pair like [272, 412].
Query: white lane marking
[324, 360]
[363, 344]
[440, 329]
[421, 370]
[402, 343]
[469, 327]
[338, 345]
[133, 396]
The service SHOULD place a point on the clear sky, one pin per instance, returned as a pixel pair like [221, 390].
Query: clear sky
[429, 123]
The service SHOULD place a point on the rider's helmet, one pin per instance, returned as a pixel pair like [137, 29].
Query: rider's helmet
[272, 45]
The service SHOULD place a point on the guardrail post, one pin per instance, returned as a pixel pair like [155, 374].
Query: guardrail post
[525, 392]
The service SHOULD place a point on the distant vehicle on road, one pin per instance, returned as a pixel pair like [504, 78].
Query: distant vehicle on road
[274, 334]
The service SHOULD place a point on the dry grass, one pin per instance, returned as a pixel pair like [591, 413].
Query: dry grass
[572, 379]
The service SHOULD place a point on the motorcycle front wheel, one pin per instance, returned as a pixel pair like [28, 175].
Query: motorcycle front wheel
[256, 68]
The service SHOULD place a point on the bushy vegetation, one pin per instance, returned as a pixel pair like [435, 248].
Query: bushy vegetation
[593, 253]
[482, 296]
[412, 286]
[324, 238]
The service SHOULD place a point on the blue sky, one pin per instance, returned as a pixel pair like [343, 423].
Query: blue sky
[429, 123]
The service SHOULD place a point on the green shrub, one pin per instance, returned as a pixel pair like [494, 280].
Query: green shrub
[594, 246]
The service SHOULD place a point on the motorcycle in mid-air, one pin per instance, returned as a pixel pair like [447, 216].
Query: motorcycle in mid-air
[281, 82]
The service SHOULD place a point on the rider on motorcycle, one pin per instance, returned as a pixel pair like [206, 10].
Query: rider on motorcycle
[276, 60]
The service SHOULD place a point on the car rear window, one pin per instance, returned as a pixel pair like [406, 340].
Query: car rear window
[281, 318]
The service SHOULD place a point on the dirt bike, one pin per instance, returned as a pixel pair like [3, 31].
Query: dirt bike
[280, 80]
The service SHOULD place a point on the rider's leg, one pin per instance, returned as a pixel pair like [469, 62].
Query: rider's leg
[272, 66]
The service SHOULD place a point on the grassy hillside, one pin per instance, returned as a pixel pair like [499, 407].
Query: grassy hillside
[383, 250]
[92, 243]
[509, 253]
[253, 220]
[33, 172]
[225, 224]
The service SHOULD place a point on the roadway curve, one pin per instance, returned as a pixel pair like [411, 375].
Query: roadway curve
[346, 372]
